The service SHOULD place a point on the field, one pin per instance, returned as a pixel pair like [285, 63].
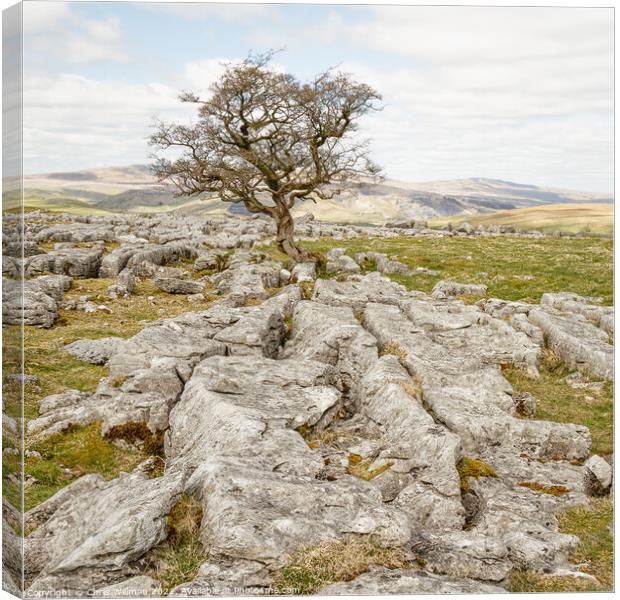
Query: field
[573, 218]
[512, 268]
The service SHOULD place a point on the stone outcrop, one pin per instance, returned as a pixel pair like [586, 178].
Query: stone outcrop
[80, 263]
[36, 300]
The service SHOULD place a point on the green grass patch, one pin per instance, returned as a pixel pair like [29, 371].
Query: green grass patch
[178, 559]
[592, 524]
[11, 488]
[512, 268]
[71, 454]
[557, 401]
[57, 370]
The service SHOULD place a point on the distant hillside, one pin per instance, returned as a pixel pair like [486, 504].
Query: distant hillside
[593, 218]
[133, 189]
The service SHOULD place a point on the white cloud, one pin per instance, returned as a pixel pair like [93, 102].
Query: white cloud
[57, 30]
[97, 41]
[522, 94]
[43, 16]
[487, 34]
[70, 119]
[198, 76]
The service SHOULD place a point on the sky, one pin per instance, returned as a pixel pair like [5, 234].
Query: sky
[519, 94]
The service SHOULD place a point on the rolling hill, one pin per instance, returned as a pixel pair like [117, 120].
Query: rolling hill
[133, 189]
[593, 218]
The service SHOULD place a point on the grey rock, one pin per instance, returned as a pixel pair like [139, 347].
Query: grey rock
[27, 304]
[76, 262]
[75, 232]
[11, 267]
[304, 272]
[383, 582]
[140, 586]
[342, 264]
[357, 292]
[461, 388]
[244, 281]
[332, 335]
[161, 254]
[115, 261]
[258, 331]
[607, 324]
[235, 426]
[54, 286]
[211, 260]
[336, 253]
[447, 289]
[96, 352]
[464, 554]
[423, 451]
[178, 286]
[598, 476]
[125, 284]
[580, 344]
[97, 528]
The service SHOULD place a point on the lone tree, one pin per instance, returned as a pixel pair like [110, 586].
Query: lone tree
[268, 140]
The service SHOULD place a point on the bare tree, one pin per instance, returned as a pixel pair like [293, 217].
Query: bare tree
[266, 139]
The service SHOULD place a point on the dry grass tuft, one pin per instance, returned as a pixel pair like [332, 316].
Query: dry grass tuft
[360, 468]
[396, 350]
[315, 567]
[118, 380]
[137, 433]
[307, 289]
[552, 490]
[413, 387]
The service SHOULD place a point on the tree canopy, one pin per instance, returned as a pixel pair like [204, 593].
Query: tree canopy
[268, 140]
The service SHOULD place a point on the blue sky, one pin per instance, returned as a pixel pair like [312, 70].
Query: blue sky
[521, 94]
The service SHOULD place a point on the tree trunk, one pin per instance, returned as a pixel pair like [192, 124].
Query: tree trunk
[286, 242]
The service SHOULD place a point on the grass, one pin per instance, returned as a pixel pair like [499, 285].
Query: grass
[552, 490]
[557, 401]
[178, 559]
[314, 567]
[74, 453]
[471, 467]
[69, 455]
[11, 489]
[594, 553]
[504, 264]
[395, 349]
[52, 205]
[360, 468]
[57, 370]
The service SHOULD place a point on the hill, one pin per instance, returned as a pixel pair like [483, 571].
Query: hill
[593, 218]
[133, 189]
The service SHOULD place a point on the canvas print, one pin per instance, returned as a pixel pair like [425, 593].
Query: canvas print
[306, 299]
